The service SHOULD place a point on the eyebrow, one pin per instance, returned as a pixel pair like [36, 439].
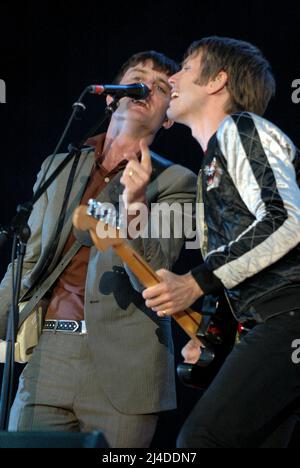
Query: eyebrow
[184, 62]
[141, 70]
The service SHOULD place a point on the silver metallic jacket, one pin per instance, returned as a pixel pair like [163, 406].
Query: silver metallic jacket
[250, 233]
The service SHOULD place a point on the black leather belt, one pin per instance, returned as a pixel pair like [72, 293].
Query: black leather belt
[67, 326]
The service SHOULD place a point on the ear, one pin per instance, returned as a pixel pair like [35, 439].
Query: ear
[167, 123]
[218, 83]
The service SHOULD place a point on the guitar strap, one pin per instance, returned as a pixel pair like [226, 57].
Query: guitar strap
[49, 281]
[61, 219]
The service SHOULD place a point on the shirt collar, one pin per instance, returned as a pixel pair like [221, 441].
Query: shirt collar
[97, 142]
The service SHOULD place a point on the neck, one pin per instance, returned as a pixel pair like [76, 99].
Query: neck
[206, 125]
[120, 144]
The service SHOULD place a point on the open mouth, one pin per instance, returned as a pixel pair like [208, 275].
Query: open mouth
[140, 103]
[174, 95]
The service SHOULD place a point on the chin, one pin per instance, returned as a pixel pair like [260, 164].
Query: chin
[171, 114]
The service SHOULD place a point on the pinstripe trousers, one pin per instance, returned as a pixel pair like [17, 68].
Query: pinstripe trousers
[60, 390]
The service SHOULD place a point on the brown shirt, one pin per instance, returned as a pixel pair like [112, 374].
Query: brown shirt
[67, 300]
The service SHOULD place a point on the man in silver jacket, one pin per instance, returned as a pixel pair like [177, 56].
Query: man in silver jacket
[250, 235]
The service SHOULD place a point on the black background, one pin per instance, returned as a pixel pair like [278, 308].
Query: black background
[50, 50]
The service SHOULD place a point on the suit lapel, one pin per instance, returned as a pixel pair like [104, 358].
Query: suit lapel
[80, 180]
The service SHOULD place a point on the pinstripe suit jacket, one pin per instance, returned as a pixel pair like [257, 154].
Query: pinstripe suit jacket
[132, 348]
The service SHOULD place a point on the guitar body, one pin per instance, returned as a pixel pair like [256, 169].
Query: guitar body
[219, 338]
[217, 334]
[201, 374]
[106, 235]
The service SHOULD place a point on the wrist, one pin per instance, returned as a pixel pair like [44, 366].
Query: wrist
[193, 286]
[138, 200]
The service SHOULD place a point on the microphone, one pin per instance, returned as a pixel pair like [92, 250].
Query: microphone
[134, 90]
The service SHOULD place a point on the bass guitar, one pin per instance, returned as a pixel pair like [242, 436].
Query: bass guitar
[96, 217]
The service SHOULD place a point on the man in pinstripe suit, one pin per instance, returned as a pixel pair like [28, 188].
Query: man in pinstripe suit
[104, 360]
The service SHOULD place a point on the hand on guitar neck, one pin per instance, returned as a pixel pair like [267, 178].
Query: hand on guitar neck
[173, 293]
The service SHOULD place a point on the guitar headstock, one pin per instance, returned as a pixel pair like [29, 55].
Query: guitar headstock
[104, 212]
[102, 220]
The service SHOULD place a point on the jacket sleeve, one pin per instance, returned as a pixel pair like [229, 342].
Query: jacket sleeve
[33, 251]
[261, 163]
[171, 221]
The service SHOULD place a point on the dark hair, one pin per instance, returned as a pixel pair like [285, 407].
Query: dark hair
[251, 83]
[160, 62]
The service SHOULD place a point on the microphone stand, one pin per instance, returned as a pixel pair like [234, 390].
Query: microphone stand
[19, 230]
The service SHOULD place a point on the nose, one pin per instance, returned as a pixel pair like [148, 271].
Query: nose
[150, 85]
[172, 79]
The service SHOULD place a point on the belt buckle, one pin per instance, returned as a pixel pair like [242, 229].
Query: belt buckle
[71, 321]
[77, 325]
[83, 328]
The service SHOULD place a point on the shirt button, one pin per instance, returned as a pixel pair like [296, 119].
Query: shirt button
[106, 179]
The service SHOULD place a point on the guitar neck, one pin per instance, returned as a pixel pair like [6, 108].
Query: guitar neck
[188, 319]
